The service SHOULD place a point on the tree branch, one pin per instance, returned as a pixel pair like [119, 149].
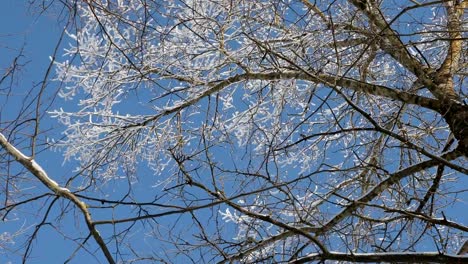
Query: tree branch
[353, 206]
[409, 257]
[391, 43]
[451, 62]
[32, 166]
[322, 78]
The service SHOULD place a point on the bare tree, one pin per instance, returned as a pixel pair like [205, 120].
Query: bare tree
[254, 131]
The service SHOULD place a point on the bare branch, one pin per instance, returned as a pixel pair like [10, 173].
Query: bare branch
[410, 257]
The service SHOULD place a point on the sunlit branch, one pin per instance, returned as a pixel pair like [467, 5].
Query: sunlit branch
[41, 175]
[325, 79]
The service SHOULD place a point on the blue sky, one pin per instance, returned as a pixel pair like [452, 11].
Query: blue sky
[23, 27]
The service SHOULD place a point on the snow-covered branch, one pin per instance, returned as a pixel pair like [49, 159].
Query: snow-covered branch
[32, 166]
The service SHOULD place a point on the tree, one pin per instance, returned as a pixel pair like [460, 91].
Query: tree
[255, 131]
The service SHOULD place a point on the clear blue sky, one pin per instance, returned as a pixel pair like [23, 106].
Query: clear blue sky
[22, 27]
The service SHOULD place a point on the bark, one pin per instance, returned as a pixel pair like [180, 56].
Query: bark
[456, 115]
[408, 257]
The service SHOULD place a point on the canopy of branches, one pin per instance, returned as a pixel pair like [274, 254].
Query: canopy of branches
[254, 131]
